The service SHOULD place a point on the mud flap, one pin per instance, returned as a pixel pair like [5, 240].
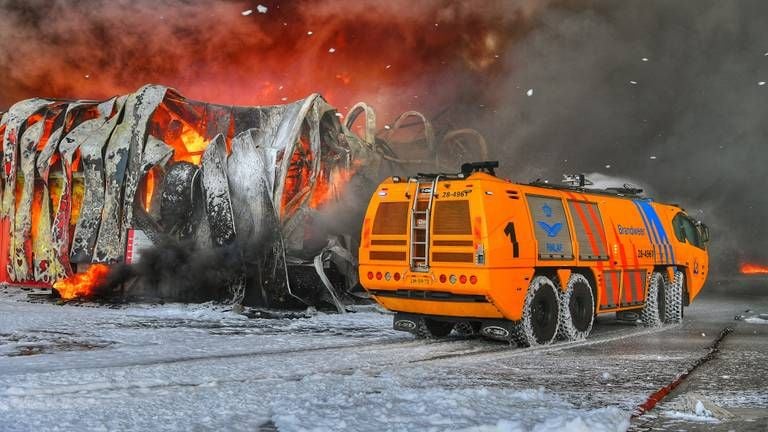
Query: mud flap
[502, 330]
[405, 322]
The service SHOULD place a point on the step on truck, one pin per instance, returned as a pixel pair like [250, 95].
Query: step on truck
[525, 263]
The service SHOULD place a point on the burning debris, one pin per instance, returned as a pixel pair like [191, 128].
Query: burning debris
[82, 284]
[227, 199]
[753, 269]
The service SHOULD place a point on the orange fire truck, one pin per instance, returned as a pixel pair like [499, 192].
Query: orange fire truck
[526, 263]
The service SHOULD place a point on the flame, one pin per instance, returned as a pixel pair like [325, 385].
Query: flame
[82, 284]
[330, 187]
[194, 144]
[297, 177]
[149, 189]
[751, 269]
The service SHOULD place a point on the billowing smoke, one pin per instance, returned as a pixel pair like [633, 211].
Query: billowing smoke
[669, 94]
[178, 270]
[396, 55]
[184, 271]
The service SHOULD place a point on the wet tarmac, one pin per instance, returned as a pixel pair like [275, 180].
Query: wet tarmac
[733, 386]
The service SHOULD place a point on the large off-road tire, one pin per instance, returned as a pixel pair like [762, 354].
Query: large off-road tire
[467, 328]
[673, 297]
[577, 309]
[651, 315]
[540, 314]
[428, 328]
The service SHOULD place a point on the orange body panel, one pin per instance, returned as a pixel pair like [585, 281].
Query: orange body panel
[427, 307]
[488, 237]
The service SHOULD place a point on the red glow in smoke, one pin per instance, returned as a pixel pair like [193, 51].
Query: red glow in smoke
[396, 55]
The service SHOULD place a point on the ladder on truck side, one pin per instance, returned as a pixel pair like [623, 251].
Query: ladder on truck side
[421, 212]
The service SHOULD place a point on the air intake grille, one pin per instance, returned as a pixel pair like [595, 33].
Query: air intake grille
[452, 218]
[453, 257]
[387, 255]
[391, 218]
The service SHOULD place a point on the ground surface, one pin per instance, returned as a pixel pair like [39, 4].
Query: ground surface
[199, 367]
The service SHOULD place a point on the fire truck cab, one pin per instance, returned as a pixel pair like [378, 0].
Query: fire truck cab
[526, 263]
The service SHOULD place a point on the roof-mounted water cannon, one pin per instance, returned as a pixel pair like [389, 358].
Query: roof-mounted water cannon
[488, 167]
[467, 169]
[576, 180]
[625, 190]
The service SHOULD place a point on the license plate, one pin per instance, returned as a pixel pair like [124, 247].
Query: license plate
[421, 280]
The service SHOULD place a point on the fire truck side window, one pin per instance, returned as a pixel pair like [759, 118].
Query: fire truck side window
[691, 233]
[685, 230]
[677, 225]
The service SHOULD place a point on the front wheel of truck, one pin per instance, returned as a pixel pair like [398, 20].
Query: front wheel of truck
[673, 297]
[652, 314]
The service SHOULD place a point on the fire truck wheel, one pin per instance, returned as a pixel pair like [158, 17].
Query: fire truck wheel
[577, 309]
[651, 313]
[673, 298]
[467, 328]
[428, 328]
[540, 314]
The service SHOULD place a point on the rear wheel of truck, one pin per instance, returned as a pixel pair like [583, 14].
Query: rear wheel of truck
[673, 297]
[651, 315]
[467, 328]
[540, 314]
[428, 328]
[577, 309]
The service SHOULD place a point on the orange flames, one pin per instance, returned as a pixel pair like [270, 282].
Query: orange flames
[752, 269]
[194, 146]
[330, 187]
[82, 284]
[149, 189]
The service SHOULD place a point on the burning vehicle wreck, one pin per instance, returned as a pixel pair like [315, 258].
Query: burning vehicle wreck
[220, 198]
[154, 195]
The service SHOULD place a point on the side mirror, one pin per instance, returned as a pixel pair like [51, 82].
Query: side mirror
[704, 230]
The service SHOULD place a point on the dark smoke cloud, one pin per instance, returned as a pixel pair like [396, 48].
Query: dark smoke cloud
[695, 105]
[175, 270]
[184, 271]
